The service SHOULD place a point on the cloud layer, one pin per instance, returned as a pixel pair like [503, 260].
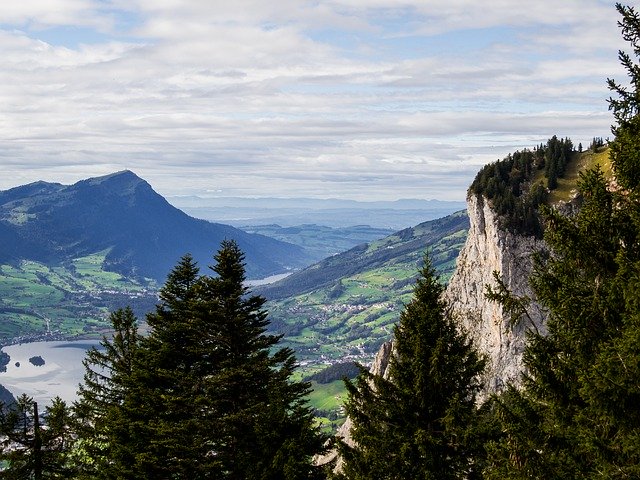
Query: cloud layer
[363, 99]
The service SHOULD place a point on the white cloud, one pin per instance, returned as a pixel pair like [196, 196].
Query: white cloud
[333, 98]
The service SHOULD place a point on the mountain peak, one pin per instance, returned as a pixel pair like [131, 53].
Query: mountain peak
[121, 176]
[124, 183]
[121, 213]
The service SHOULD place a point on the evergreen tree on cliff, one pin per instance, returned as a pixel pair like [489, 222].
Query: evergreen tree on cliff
[415, 422]
[211, 395]
[578, 414]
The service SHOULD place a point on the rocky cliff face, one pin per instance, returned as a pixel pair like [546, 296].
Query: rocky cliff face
[488, 249]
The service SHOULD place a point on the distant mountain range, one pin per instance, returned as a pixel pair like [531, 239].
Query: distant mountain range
[336, 213]
[145, 235]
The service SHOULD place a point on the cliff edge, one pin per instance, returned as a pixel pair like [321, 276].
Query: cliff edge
[488, 249]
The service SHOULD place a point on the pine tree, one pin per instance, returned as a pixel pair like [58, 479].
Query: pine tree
[210, 395]
[578, 414]
[416, 422]
[100, 422]
[266, 428]
[169, 381]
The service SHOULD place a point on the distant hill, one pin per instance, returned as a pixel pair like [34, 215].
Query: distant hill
[321, 241]
[337, 213]
[143, 234]
[409, 242]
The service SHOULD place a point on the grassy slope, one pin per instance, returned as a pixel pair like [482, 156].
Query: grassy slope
[358, 296]
[66, 300]
[327, 400]
[566, 189]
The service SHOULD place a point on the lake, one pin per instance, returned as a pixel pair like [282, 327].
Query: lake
[59, 376]
[267, 280]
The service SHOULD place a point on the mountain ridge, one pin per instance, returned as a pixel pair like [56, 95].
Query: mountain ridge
[144, 233]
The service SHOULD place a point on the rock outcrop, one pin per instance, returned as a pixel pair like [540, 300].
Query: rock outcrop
[491, 249]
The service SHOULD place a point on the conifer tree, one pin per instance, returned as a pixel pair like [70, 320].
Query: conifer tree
[415, 422]
[578, 414]
[210, 395]
[100, 422]
[169, 381]
[265, 426]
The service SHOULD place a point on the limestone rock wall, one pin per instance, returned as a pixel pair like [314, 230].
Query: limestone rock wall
[487, 249]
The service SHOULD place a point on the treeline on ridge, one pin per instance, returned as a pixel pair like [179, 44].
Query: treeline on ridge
[515, 186]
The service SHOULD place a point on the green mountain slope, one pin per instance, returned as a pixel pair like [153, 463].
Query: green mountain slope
[39, 301]
[344, 307]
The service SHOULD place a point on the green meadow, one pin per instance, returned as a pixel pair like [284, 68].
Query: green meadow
[69, 300]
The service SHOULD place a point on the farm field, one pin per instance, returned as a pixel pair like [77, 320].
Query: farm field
[39, 301]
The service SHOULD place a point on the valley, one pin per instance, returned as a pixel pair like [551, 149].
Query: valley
[63, 280]
[345, 306]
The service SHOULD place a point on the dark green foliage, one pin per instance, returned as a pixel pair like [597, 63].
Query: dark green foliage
[578, 414]
[36, 446]
[101, 419]
[507, 184]
[266, 427]
[417, 421]
[596, 144]
[557, 154]
[335, 372]
[206, 395]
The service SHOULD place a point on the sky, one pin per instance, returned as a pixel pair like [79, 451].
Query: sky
[354, 99]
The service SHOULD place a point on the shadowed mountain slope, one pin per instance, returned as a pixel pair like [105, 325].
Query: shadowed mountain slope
[121, 213]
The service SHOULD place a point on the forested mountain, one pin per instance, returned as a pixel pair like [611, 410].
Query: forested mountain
[121, 213]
